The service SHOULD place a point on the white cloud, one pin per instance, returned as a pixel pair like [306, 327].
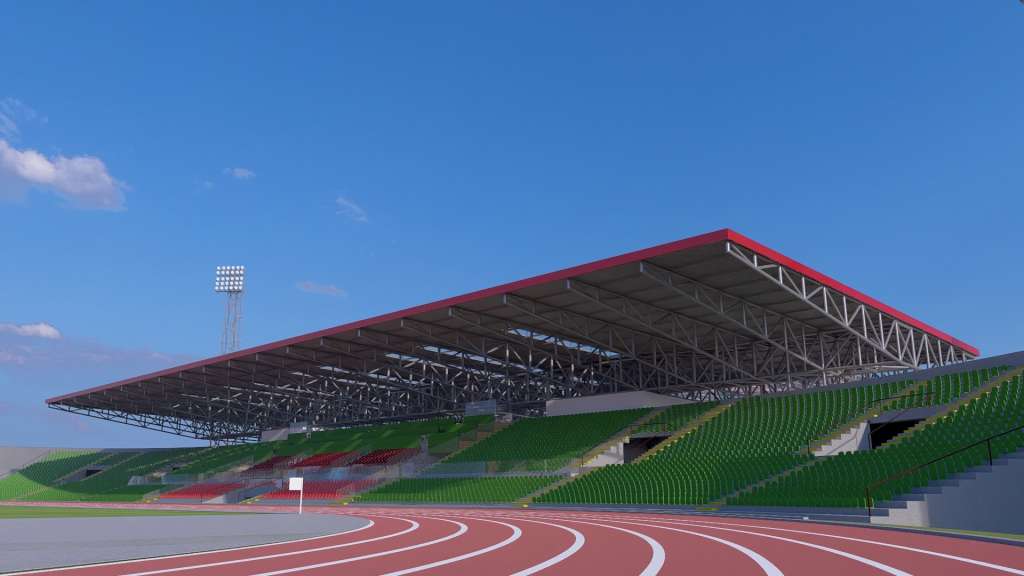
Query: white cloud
[37, 330]
[240, 173]
[56, 354]
[83, 181]
[13, 112]
[8, 127]
[10, 357]
[351, 210]
[324, 289]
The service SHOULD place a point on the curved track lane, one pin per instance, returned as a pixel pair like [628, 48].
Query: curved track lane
[450, 541]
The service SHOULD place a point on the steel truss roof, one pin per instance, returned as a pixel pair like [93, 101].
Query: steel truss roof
[713, 316]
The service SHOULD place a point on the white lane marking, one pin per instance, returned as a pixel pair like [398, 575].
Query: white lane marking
[370, 524]
[578, 541]
[998, 567]
[766, 565]
[657, 551]
[873, 563]
[516, 533]
[413, 525]
[462, 530]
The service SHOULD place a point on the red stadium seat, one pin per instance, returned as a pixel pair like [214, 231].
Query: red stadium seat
[385, 456]
[202, 491]
[270, 463]
[322, 490]
[325, 459]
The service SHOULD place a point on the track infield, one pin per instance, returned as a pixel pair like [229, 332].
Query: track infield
[15, 512]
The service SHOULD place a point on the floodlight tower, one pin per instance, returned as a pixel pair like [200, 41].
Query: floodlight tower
[230, 280]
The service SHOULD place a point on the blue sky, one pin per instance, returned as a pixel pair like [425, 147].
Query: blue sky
[360, 157]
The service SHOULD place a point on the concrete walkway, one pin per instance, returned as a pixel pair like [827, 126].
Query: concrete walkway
[33, 543]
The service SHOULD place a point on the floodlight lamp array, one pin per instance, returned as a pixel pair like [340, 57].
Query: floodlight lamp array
[229, 279]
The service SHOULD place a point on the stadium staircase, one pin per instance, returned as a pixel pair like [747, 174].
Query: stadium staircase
[833, 443]
[403, 468]
[533, 496]
[638, 426]
[64, 488]
[720, 502]
[620, 437]
[102, 461]
[471, 438]
[694, 424]
[104, 457]
[905, 388]
[911, 508]
[126, 477]
[549, 444]
[60, 475]
[45, 472]
[435, 456]
[964, 399]
[972, 406]
[728, 448]
[921, 390]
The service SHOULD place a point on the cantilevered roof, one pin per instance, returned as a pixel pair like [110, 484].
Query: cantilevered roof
[709, 316]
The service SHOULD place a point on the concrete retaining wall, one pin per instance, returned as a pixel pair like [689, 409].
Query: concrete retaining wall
[985, 498]
[15, 457]
[609, 402]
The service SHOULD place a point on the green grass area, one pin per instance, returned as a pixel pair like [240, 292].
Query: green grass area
[10, 512]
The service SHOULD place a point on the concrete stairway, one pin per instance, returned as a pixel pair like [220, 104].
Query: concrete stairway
[849, 440]
[588, 458]
[750, 488]
[71, 476]
[533, 496]
[839, 440]
[985, 498]
[353, 496]
[833, 444]
[690, 427]
[619, 437]
[835, 440]
[476, 436]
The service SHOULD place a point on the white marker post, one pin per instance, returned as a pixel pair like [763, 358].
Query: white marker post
[296, 484]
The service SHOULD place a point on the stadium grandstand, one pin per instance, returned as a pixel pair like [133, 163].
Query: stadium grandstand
[711, 372]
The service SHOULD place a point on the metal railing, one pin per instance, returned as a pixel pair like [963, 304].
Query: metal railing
[907, 472]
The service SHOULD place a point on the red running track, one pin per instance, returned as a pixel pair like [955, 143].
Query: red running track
[454, 541]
